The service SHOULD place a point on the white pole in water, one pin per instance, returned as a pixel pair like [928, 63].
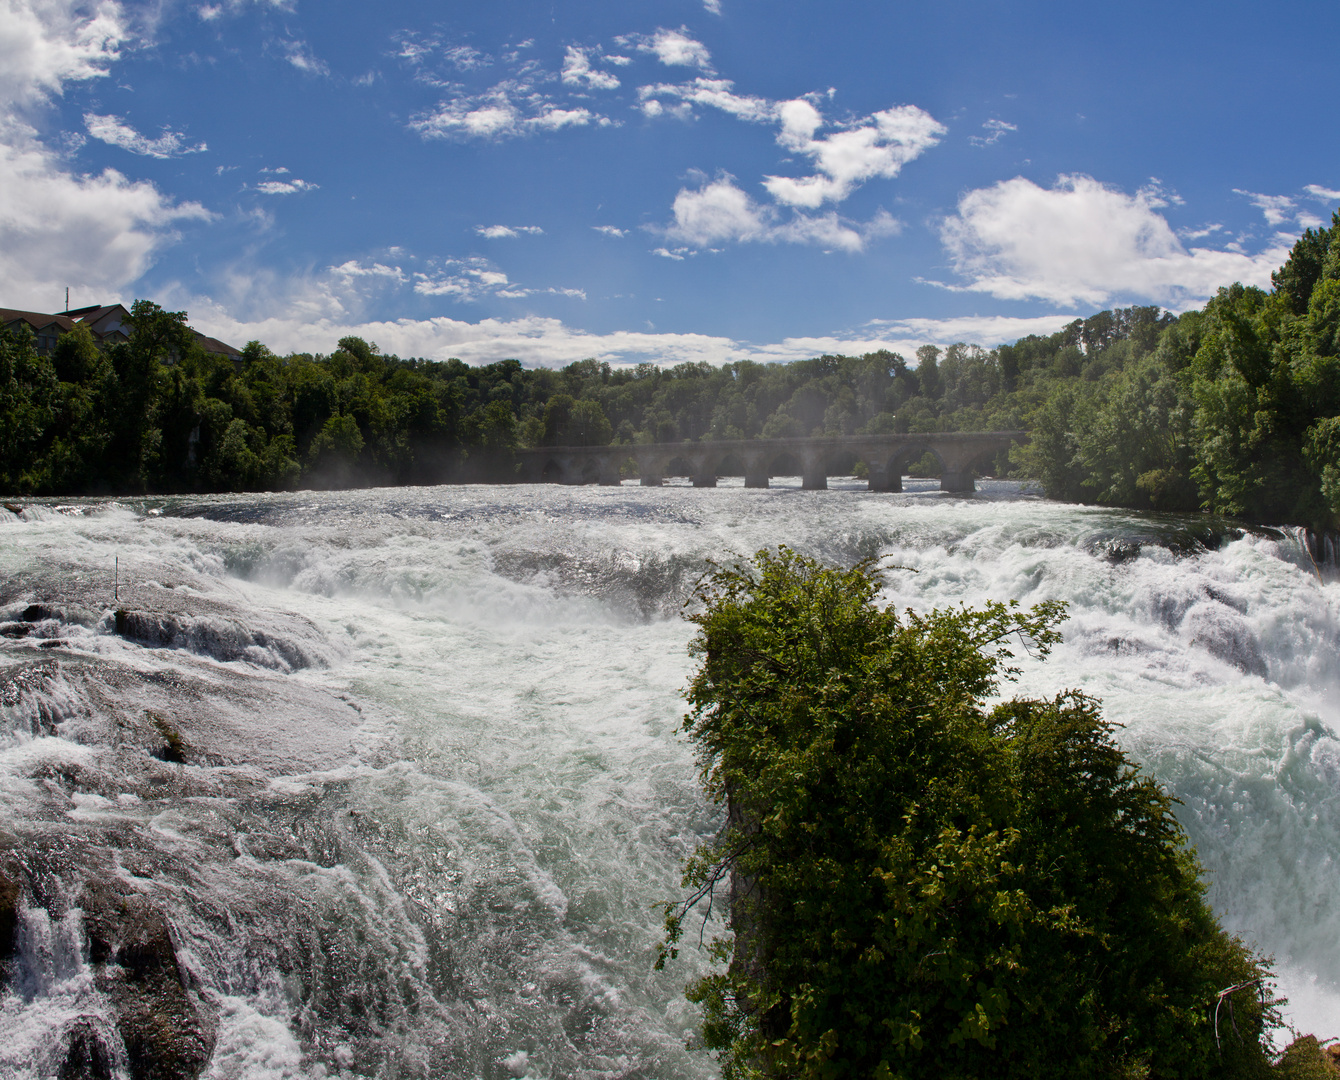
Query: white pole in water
[116, 581]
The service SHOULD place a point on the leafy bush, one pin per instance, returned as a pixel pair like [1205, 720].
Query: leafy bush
[922, 885]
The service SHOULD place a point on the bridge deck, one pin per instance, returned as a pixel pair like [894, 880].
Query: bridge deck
[960, 454]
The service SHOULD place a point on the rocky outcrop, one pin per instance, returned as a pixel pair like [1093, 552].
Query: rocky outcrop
[167, 1032]
[9, 921]
[87, 1056]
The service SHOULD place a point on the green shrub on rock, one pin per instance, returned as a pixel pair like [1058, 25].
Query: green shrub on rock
[922, 885]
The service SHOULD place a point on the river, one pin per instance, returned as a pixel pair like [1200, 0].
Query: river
[399, 768]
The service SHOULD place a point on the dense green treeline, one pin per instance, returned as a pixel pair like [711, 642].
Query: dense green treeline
[1233, 408]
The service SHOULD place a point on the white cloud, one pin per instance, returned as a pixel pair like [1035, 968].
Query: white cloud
[878, 146]
[301, 57]
[312, 321]
[712, 7]
[666, 253]
[466, 58]
[715, 93]
[508, 110]
[115, 131]
[96, 234]
[1082, 242]
[577, 71]
[718, 212]
[1316, 191]
[46, 43]
[353, 270]
[610, 230]
[1277, 209]
[715, 213]
[501, 232]
[209, 12]
[674, 48]
[984, 330]
[995, 131]
[285, 187]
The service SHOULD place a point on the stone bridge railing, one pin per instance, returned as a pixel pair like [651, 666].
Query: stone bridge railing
[959, 454]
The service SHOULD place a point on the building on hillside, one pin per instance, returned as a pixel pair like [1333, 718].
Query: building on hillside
[109, 325]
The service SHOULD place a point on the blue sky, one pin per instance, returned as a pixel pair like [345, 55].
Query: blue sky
[667, 181]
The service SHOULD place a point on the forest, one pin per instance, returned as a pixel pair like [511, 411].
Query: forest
[1233, 408]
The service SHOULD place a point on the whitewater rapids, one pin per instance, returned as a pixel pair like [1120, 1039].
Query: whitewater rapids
[400, 767]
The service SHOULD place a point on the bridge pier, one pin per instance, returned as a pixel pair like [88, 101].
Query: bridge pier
[609, 473]
[704, 480]
[888, 478]
[650, 479]
[959, 481]
[756, 475]
[814, 478]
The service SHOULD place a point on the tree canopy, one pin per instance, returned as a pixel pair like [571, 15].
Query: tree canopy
[1233, 408]
[925, 884]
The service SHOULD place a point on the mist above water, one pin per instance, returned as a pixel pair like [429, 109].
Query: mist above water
[432, 788]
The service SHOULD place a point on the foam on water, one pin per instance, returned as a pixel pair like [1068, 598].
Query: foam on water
[468, 888]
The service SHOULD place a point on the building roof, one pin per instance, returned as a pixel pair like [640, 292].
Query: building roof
[36, 319]
[113, 314]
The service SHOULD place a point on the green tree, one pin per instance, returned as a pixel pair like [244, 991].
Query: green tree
[925, 886]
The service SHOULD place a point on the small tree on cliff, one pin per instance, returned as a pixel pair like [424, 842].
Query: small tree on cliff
[922, 886]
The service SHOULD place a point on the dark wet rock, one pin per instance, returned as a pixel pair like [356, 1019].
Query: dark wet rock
[1225, 635]
[87, 1056]
[10, 893]
[1115, 549]
[222, 639]
[165, 1029]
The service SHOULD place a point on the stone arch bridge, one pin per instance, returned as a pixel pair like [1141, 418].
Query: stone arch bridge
[815, 459]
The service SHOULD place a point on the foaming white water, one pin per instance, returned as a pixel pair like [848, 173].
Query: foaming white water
[432, 786]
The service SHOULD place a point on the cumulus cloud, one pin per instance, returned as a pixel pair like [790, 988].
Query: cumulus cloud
[507, 110]
[674, 48]
[1316, 191]
[847, 155]
[46, 43]
[718, 212]
[712, 7]
[577, 71]
[285, 187]
[116, 132]
[94, 233]
[878, 146]
[1083, 242]
[610, 230]
[504, 232]
[995, 131]
[713, 93]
